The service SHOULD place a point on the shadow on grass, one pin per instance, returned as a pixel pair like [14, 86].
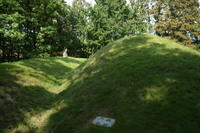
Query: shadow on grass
[28, 96]
[16, 100]
[145, 85]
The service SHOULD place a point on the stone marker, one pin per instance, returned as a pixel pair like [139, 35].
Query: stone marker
[103, 121]
[65, 53]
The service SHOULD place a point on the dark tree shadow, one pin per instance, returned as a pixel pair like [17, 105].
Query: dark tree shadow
[156, 92]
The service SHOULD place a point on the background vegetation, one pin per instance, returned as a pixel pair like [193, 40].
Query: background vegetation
[42, 28]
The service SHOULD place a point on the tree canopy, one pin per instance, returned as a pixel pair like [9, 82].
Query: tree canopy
[40, 28]
[178, 19]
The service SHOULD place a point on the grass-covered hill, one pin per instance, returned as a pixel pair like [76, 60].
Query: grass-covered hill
[147, 83]
[28, 89]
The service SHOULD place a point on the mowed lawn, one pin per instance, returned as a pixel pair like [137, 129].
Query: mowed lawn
[28, 89]
[147, 83]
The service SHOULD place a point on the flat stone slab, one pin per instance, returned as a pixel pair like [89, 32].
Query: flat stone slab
[103, 121]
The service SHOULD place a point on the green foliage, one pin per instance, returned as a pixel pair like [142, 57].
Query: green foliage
[178, 19]
[28, 29]
[108, 20]
[37, 27]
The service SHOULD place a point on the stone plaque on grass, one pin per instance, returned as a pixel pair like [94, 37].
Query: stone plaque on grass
[103, 121]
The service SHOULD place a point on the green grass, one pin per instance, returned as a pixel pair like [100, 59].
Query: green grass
[148, 84]
[28, 89]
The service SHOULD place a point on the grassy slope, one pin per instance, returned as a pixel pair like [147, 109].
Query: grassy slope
[148, 84]
[28, 89]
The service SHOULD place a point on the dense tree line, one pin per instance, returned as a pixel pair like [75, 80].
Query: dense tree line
[32, 28]
[41, 28]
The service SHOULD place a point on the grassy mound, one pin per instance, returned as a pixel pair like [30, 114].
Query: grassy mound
[148, 84]
[28, 89]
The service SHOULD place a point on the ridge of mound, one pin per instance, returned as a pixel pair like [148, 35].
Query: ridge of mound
[147, 83]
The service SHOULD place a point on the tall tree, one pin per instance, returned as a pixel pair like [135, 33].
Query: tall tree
[11, 29]
[80, 22]
[178, 19]
[106, 21]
